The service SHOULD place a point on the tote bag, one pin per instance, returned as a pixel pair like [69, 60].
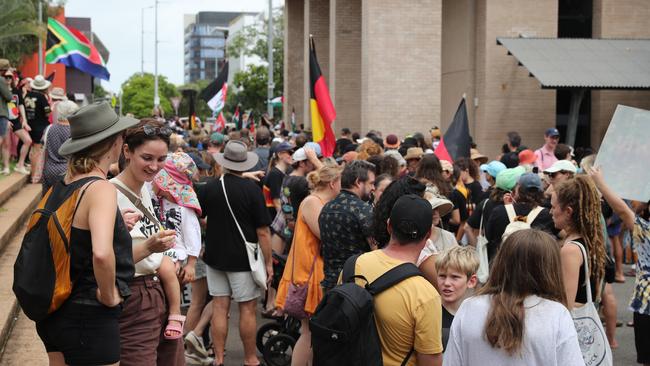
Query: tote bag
[255, 256]
[591, 334]
[481, 249]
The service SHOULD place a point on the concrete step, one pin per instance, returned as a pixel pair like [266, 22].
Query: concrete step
[13, 216]
[24, 347]
[10, 184]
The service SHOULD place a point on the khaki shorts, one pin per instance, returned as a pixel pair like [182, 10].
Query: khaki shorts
[238, 285]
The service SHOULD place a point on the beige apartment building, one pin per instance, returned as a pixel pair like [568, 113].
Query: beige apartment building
[403, 66]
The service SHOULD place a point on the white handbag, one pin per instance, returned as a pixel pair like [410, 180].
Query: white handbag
[481, 249]
[255, 256]
[591, 334]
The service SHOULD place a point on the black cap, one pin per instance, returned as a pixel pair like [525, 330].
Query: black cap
[411, 217]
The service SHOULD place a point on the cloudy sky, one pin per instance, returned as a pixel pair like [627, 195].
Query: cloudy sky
[117, 23]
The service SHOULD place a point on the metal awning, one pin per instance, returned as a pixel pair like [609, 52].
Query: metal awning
[583, 63]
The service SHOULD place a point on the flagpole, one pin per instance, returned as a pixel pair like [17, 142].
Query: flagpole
[40, 41]
[156, 98]
[271, 86]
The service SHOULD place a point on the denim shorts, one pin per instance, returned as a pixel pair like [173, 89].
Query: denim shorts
[85, 334]
[4, 123]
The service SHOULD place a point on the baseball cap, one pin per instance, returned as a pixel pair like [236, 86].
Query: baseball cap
[562, 166]
[316, 147]
[493, 168]
[217, 138]
[527, 157]
[283, 146]
[552, 132]
[530, 181]
[199, 161]
[299, 155]
[411, 216]
[507, 179]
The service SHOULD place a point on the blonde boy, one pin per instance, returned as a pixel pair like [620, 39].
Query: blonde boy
[456, 268]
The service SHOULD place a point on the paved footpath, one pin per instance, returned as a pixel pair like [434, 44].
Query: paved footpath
[24, 347]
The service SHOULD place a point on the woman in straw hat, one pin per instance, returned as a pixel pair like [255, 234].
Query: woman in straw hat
[85, 329]
[37, 108]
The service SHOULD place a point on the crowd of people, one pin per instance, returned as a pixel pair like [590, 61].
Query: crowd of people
[508, 251]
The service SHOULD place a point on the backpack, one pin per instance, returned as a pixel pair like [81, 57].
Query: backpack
[42, 280]
[519, 222]
[343, 325]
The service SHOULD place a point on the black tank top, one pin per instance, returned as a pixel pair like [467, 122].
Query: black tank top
[81, 264]
[581, 295]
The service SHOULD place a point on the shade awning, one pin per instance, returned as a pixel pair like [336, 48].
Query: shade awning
[584, 63]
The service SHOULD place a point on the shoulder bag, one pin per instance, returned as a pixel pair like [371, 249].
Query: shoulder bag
[255, 257]
[481, 249]
[591, 334]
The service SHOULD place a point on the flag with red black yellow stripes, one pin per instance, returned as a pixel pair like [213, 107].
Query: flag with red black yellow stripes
[320, 103]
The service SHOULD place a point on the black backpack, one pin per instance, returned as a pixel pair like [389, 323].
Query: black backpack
[343, 330]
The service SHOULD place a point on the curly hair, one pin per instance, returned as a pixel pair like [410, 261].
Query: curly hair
[369, 148]
[581, 195]
[381, 213]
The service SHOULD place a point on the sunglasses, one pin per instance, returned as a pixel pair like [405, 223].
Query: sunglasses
[554, 174]
[9, 77]
[155, 131]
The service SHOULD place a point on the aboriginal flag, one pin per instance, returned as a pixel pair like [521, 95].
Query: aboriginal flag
[322, 109]
[456, 141]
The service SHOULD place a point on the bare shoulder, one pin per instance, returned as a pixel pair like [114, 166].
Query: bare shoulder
[572, 252]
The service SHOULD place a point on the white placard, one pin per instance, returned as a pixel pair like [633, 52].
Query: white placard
[624, 154]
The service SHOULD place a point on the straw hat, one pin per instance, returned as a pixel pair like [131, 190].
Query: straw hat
[58, 94]
[477, 156]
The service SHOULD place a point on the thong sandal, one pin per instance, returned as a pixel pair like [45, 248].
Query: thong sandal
[175, 329]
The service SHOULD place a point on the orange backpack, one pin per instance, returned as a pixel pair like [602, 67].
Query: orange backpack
[42, 279]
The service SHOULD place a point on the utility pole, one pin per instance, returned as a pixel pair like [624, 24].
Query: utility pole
[142, 41]
[156, 98]
[271, 85]
[40, 41]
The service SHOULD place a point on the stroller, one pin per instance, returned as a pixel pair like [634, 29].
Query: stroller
[275, 340]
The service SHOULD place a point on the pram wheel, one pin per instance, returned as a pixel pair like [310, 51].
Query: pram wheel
[278, 350]
[265, 332]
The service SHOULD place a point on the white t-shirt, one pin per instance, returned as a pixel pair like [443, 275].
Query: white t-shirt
[186, 223]
[444, 241]
[142, 229]
[549, 336]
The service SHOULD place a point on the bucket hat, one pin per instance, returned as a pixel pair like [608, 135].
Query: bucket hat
[414, 153]
[4, 64]
[175, 178]
[443, 205]
[477, 156]
[507, 179]
[91, 124]
[236, 157]
[391, 141]
[58, 94]
[40, 83]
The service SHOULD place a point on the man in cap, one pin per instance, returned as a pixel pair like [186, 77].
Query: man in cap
[229, 273]
[545, 155]
[273, 180]
[217, 142]
[409, 314]
[560, 171]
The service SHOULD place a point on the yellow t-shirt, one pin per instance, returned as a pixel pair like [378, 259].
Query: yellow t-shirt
[407, 315]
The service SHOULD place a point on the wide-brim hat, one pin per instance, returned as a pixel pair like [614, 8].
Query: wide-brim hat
[443, 205]
[92, 124]
[236, 157]
[40, 83]
[58, 94]
[414, 153]
[476, 155]
[4, 64]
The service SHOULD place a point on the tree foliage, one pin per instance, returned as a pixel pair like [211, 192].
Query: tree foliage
[138, 91]
[20, 28]
[251, 83]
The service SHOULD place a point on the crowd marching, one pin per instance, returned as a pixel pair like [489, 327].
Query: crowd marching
[466, 262]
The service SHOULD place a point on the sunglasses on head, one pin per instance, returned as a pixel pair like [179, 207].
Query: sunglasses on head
[154, 131]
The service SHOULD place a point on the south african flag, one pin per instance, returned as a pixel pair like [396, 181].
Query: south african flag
[68, 46]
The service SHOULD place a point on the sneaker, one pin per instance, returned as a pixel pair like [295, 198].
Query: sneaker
[21, 170]
[5, 171]
[194, 345]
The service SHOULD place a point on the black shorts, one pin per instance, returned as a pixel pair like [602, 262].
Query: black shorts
[85, 334]
[641, 338]
[16, 125]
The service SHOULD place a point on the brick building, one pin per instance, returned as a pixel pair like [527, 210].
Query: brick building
[403, 66]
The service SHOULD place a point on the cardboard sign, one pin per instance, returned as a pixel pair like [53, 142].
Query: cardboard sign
[624, 154]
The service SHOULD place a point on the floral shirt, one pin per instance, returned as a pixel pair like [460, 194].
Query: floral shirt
[640, 302]
[344, 228]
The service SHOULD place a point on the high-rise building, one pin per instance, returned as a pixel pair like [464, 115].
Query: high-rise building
[236, 26]
[205, 43]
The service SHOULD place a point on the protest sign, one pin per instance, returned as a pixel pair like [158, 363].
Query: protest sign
[624, 154]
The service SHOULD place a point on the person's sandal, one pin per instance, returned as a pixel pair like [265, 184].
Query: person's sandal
[174, 328]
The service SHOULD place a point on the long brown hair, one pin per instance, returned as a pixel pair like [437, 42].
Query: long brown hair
[581, 195]
[528, 263]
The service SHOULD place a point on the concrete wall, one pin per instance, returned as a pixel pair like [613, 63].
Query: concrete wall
[400, 65]
[294, 60]
[508, 99]
[617, 19]
[458, 59]
[345, 63]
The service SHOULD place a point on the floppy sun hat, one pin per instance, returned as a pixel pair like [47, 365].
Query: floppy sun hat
[175, 178]
[236, 157]
[92, 124]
